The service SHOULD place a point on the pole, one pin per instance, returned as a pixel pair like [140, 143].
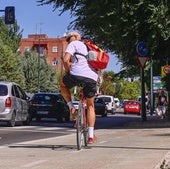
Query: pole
[151, 87]
[143, 112]
[39, 66]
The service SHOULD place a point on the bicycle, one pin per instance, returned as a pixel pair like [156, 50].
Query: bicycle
[81, 123]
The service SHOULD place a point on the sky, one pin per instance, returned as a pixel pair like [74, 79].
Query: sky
[33, 19]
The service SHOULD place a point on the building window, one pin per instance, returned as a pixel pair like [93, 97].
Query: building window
[55, 49]
[54, 62]
[41, 51]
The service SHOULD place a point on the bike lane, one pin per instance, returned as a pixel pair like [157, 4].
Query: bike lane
[139, 145]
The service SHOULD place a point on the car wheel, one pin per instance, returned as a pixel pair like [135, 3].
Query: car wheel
[11, 123]
[104, 114]
[113, 112]
[27, 121]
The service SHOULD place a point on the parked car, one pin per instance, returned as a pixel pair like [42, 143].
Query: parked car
[132, 106]
[100, 107]
[13, 104]
[76, 104]
[124, 103]
[49, 105]
[117, 102]
[109, 101]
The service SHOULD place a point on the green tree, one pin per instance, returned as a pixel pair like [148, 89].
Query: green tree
[48, 76]
[119, 87]
[10, 66]
[119, 25]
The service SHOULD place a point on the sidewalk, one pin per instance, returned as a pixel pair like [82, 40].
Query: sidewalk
[139, 145]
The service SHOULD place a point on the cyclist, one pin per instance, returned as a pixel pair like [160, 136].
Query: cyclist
[79, 73]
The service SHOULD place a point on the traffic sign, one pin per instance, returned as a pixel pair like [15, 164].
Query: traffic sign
[166, 69]
[142, 49]
[142, 60]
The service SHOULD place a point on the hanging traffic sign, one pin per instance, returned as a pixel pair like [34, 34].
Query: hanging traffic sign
[142, 49]
[142, 60]
[166, 69]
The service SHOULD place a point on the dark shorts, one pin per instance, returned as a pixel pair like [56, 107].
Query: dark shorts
[88, 85]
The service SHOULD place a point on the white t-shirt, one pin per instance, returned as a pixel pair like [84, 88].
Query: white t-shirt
[80, 66]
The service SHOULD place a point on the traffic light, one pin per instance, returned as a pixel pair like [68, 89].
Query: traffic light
[9, 15]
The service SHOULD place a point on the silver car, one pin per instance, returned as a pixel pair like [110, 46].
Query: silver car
[13, 104]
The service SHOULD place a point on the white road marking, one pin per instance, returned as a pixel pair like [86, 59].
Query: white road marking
[34, 163]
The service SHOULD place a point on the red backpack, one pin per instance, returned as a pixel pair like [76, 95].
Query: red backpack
[97, 58]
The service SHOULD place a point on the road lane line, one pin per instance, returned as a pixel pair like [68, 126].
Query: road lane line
[34, 163]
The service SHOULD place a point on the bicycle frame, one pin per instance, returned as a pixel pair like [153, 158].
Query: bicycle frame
[81, 127]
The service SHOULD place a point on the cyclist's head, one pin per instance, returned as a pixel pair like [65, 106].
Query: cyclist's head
[73, 36]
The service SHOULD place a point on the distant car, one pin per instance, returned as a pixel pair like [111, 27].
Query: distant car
[124, 103]
[132, 106]
[49, 105]
[117, 102]
[100, 107]
[76, 104]
[109, 102]
[13, 104]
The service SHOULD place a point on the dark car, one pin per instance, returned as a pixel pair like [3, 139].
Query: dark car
[132, 106]
[49, 105]
[100, 107]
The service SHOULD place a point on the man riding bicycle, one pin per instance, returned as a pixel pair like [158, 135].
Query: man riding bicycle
[79, 73]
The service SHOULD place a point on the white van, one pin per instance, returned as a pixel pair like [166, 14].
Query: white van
[110, 103]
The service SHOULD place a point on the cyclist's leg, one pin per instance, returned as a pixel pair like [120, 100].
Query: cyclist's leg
[91, 116]
[89, 92]
[66, 83]
[65, 91]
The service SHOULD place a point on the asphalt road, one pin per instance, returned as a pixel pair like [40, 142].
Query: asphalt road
[136, 144]
[50, 128]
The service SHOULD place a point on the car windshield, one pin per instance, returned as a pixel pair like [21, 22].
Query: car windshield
[132, 102]
[106, 99]
[98, 100]
[3, 90]
[45, 98]
[75, 102]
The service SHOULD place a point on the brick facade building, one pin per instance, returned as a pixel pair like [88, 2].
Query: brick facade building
[50, 48]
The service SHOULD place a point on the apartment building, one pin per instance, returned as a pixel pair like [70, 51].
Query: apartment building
[50, 48]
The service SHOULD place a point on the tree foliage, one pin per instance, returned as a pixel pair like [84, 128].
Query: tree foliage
[31, 65]
[119, 25]
[10, 66]
[118, 87]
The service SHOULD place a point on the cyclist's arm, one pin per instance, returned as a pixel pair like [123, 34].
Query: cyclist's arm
[66, 61]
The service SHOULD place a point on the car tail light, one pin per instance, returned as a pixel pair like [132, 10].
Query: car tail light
[8, 102]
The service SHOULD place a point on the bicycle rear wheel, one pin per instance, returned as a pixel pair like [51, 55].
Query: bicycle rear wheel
[79, 128]
[85, 129]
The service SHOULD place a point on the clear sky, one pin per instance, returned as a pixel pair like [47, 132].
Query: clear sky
[42, 19]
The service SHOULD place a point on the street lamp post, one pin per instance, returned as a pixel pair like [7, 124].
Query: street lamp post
[39, 66]
[39, 56]
[151, 87]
